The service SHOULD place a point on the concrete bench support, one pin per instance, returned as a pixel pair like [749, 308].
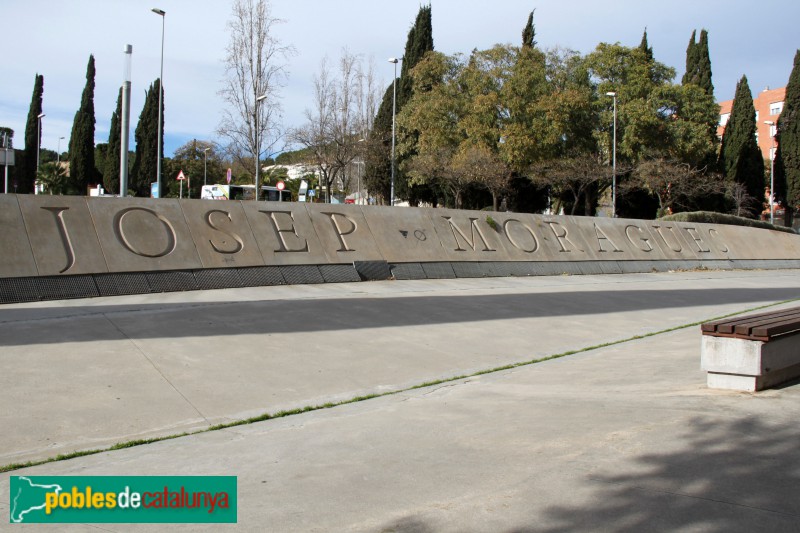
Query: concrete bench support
[750, 365]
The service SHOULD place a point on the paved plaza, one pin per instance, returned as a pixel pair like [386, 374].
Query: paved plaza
[624, 437]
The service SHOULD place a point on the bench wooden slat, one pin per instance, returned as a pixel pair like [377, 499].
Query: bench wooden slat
[747, 327]
[715, 325]
[758, 327]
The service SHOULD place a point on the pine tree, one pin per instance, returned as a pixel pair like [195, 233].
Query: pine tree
[112, 166]
[691, 59]
[26, 167]
[81, 142]
[740, 158]
[144, 170]
[646, 49]
[529, 33]
[420, 41]
[787, 158]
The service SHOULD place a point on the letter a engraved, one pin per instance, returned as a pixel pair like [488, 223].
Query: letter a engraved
[339, 232]
[603, 237]
[562, 237]
[468, 241]
[58, 213]
[238, 247]
[172, 239]
[279, 231]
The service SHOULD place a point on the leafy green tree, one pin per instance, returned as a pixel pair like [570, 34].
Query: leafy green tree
[787, 158]
[529, 32]
[144, 169]
[81, 142]
[25, 171]
[111, 166]
[54, 179]
[740, 158]
[190, 158]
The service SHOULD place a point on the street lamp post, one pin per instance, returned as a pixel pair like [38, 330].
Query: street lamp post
[614, 160]
[394, 115]
[259, 99]
[770, 123]
[205, 165]
[38, 149]
[58, 154]
[162, 14]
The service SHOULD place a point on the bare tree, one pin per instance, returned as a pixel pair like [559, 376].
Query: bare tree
[573, 177]
[677, 185]
[344, 107]
[256, 69]
[744, 204]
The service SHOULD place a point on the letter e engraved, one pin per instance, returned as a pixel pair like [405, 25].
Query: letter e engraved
[603, 237]
[468, 241]
[644, 240]
[340, 232]
[238, 247]
[674, 238]
[696, 238]
[172, 239]
[561, 238]
[531, 248]
[279, 231]
[58, 214]
[714, 234]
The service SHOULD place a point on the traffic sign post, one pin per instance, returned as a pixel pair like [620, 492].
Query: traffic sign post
[280, 186]
[228, 176]
[181, 178]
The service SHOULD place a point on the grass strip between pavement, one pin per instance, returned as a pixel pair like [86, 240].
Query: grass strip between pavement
[329, 405]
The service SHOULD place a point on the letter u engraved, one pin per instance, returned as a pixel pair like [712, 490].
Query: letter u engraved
[238, 247]
[58, 214]
[172, 239]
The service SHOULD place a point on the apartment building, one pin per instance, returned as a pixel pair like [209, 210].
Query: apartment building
[768, 104]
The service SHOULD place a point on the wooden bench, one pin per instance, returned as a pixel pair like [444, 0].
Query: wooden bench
[752, 352]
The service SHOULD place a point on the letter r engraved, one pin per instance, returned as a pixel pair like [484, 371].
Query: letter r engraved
[280, 230]
[644, 240]
[469, 241]
[172, 239]
[238, 247]
[340, 233]
[534, 245]
[58, 214]
[697, 239]
[561, 238]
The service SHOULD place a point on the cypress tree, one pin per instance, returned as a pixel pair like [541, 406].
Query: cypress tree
[529, 33]
[26, 167]
[111, 169]
[703, 75]
[144, 169]
[81, 142]
[740, 158]
[420, 41]
[645, 48]
[787, 158]
[691, 59]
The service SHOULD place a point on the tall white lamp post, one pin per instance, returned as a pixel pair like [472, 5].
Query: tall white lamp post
[394, 115]
[614, 160]
[162, 14]
[258, 144]
[771, 124]
[205, 165]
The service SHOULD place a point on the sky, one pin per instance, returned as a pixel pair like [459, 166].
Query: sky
[55, 38]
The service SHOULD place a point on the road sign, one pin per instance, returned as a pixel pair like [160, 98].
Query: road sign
[228, 176]
[312, 192]
[280, 185]
[181, 176]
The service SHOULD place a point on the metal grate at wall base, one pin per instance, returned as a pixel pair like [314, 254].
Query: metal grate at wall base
[408, 271]
[18, 290]
[438, 270]
[66, 287]
[302, 274]
[172, 281]
[261, 276]
[122, 284]
[373, 270]
[218, 278]
[339, 273]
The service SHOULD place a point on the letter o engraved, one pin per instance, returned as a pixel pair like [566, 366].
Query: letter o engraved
[532, 247]
[172, 239]
[642, 239]
[420, 235]
[238, 247]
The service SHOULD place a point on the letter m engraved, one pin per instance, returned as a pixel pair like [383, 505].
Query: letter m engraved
[469, 241]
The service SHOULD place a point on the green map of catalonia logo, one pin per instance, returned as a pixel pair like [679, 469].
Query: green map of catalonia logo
[29, 498]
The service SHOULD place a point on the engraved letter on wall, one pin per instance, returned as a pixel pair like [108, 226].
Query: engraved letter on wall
[469, 241]
[341, 229]
[58, 213]
[238, 244]
[286, 228]
[127, 217]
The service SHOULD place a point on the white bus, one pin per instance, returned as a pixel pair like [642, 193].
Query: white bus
[244, 192]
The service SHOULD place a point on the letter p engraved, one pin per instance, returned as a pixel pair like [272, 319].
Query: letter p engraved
[341, 229]
[58, 214]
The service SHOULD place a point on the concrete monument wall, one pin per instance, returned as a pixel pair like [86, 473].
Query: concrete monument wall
[60, 236]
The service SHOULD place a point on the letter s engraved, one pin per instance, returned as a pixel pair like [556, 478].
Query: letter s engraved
[238, 247]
